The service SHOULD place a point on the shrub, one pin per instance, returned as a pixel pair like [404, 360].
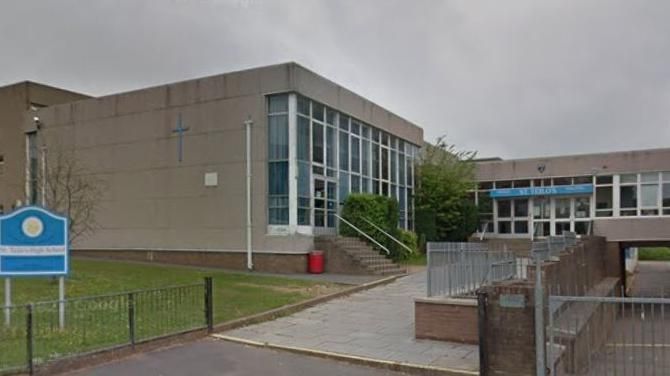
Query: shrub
[380, 210]
[409, 239]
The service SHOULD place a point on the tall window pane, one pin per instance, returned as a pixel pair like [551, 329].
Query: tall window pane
[278, 137]
[604, 201]
[344, 151]
[394, 163]
[375, 161]
[385, 164]
[355, 154]
[628, 200]
[303, 138]
[330, 146]
[317, 143]
[365, 158]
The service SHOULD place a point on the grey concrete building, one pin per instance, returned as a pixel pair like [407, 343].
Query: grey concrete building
[624, 196]
[173, 159]
[19, 102]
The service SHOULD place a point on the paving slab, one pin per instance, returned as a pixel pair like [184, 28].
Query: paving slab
[377, 323]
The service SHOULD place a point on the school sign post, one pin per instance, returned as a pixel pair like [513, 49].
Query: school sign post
[34, 243]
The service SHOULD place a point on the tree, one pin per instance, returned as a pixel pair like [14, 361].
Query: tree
[70, 189]
[444, 210]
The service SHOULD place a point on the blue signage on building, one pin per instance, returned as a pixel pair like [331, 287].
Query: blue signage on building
[33, 242]
[559, 190]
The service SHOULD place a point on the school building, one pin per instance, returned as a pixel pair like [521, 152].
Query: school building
[623, 196]
[239, 169]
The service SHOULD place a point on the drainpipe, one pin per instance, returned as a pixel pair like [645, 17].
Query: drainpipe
[247, 125]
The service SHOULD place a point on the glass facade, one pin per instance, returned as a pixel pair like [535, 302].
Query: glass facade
[616, 195]
[336, 155]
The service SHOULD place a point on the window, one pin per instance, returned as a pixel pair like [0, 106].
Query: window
[583, 180]
[562, 208]
[665, 194]
[349, 155]
[541, 216]
[303, 138]
[278, 159]
[513, 216]
[303, 106]
[628, 200]
[344, 151]
[504, 209]
[394, 165]
[604, 196]
[385, 164]
[317, 111]
[582, 207]
[278, 137]
[561, 227]
[503, 184]
[541, 208]
[317, 143]
[331, 133]
[278, 193]
[649, 193]
[562, 215]
[365, 158]
[355, 154]
[304, 204]
[562, 181]
[375, 161]
[628, 194]
[2, 164]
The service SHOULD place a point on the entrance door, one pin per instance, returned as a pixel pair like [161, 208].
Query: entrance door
[325, 205]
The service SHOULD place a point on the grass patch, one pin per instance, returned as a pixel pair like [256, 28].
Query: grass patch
[654, 254]
[102, 322]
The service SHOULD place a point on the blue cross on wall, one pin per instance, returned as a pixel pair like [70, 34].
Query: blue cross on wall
[180, 130]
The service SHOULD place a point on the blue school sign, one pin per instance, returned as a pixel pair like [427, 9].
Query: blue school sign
[558, 190]
[33, 242]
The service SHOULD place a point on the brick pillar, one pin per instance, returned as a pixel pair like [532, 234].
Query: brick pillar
[508, 338]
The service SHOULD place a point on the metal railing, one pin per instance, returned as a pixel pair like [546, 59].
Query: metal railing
[608, 335]
[408, 249]
[34, 336]
[363, 233]
[459, 269]
[552, 246]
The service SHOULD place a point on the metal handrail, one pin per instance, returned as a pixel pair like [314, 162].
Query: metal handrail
[388, 235]
[363, 233]
[482, 234]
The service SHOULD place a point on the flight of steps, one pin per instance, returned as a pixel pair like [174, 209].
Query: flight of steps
[362, 254]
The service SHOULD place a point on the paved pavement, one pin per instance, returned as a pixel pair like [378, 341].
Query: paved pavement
[377, 323]
[211, 357]
[652, 279]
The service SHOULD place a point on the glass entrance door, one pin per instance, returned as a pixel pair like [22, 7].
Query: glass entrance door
[325, 204]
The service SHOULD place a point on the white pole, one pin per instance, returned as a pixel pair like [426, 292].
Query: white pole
[61, 302]
[8, 301]
[250, 264]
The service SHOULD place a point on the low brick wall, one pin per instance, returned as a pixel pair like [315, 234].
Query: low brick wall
[446, 319]
[263, 262]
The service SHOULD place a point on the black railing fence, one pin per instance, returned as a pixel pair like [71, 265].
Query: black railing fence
[42, 332]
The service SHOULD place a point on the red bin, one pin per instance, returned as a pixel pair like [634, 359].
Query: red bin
[315, 262]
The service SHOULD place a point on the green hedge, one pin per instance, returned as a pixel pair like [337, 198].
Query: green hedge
[382, 211]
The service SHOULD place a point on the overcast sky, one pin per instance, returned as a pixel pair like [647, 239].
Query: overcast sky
[505, 78]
